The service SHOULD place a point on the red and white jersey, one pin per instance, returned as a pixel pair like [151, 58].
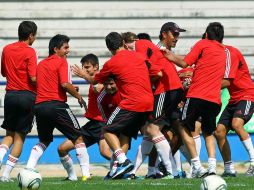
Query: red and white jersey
[132, 80]
[241, 86]
[93, 112]
[169, 80]
[18, 65]
[210, 61]
[51, 73]
[107, 103]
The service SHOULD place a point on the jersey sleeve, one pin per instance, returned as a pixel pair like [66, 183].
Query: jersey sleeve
[192, 57]
[64, 72]
[104, 73]
[32, 64]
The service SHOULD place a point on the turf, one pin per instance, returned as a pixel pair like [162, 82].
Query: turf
[97, 183]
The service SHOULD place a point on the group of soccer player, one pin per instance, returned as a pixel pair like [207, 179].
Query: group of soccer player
[138, 90]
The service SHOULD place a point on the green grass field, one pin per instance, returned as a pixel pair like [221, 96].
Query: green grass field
[97, 183]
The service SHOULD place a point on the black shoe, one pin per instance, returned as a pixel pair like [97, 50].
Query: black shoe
[152, 176]
[162, 168]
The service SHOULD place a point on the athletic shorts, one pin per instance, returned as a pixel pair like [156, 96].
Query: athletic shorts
[19, 111]
[91, 132]
[195, 108]
[243, 109]
[56, 114]
[165, 105]
[126, 122]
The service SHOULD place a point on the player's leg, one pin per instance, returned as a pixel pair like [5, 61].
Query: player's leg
[105, 149]
[242, 115]
[66, 160]
[196, 136]
[5, 145]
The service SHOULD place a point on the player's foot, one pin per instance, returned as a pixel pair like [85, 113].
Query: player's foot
[108, 176]
[181, 174]
[250, 171]
[162, 168]
[168, 176]
[85, 178]
[199, 173]
[228, 174]
[131, 177]
[6, 179]
[122, 169]
[70, 179]
[152, 176]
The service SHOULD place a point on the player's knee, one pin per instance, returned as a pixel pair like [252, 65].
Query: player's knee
[220, 133]
[61, 150]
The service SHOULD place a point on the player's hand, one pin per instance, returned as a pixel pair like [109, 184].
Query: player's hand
[82, 103]
[79, 71]
[169, 55]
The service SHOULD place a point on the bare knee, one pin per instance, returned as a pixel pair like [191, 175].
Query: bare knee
[220, 132]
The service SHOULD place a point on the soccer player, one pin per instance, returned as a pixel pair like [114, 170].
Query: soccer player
[18, 65]
[239, 110]
[132, 79]
[91, 131]
[51, 110]
[203, 97]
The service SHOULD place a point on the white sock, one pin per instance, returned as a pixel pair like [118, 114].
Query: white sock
[120, 156]
[177, 158]
[9, 165]
[249, 147]
[143, 151]
[164, 151]
[197, 140]
[195, 163]
[83, 158]
[174, 167]
[212, 165]
[68, 166]
[229, 166]
[3, 150]
[35, 155]
[151, 170]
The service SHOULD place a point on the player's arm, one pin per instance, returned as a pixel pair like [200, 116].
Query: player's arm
[97, 88]
[177, 59]
[83, 74]
[72, 91]
[2, 66]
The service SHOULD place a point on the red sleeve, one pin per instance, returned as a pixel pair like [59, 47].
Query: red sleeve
[64, 72]
[32, 64]
[232, 63]
[193, 55]
[3, 66]
[104, 73]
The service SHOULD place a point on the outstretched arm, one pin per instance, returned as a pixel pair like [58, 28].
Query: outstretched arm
[177, 59]
[83, 74]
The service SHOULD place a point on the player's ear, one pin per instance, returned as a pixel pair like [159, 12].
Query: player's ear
[96, 67]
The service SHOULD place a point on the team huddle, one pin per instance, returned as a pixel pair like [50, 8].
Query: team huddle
[138, 90]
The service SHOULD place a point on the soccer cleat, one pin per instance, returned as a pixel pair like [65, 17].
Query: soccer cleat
[162, 168]
[250, 171]
[107, 177]
[131, 177]
[199, 173]
[70, 179]
[182, 174]
[168, 176]
[228, 174]
[6, 179]
[152, 176]
[122, 169]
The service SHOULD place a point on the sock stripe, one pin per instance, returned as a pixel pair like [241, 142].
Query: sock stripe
[158, 139]
[42, 146]
[80, 145]
[4, 147]
[147, 139]
[12, 159]
[118, 152]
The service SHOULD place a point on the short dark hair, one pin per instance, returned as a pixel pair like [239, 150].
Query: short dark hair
[114, 41]
[25, 29]
[90, 58]
[57, 41]
[144, 36]
[215, 31]
[129, 37]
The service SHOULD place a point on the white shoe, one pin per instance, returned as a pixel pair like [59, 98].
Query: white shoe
[6, 179]
[199, 173]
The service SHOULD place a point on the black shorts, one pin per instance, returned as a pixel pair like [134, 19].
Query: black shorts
[91, 132]
[243, 109]
[56, 114]
[126, 122]
[18, 111]
[165, 104]
[195, 108]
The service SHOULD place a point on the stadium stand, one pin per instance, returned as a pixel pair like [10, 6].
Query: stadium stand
[88, 22]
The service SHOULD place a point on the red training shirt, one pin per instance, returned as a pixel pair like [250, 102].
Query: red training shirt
[93, 112]
[18, 65]
[107, 103]
[210, 59]
[132, 80]
[241, 87]
[51, 73]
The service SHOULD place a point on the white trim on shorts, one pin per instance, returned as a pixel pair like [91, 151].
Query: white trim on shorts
[113, 115]
[185, 108]
[73, 119]
[160, 105]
